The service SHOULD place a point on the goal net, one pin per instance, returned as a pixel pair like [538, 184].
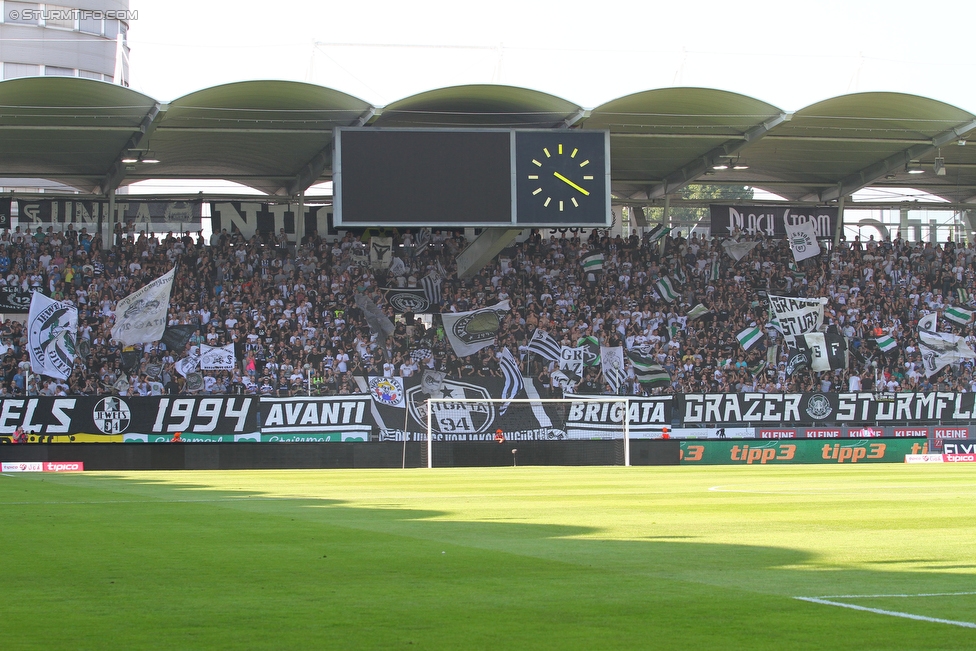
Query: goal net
[494, 431]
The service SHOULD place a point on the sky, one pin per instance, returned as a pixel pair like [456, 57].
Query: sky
[789, 54]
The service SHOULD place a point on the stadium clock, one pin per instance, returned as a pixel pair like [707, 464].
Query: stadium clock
[562, 177]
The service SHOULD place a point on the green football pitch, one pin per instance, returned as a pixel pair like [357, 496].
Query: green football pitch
[799, 557]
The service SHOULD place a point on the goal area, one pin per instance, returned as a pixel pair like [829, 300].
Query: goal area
[493, 431]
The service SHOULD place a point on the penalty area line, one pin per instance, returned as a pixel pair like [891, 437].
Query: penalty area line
[891, 613]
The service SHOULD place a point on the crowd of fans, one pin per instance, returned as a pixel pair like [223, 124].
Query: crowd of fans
[291, 314]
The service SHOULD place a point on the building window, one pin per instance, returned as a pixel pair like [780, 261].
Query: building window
[55, 71]
[88, 74]
[26, 13]
[60, 17]
[90, 26]
[15, 70]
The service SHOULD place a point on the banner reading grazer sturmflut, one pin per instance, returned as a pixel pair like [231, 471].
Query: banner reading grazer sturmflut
[770, 221]
[908, 408]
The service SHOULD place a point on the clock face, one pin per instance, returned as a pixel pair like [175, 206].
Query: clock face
[561, 177]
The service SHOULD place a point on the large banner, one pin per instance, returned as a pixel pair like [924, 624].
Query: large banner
[798, 451]
[771, 221]
[827, 417]
[111, 416]
[146, 214]
[809, 408]
[252, 217]
[468, 421]
[15, 301]
[306, 419]
[589, 419]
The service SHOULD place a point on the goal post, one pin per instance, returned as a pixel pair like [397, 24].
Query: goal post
[579, 418]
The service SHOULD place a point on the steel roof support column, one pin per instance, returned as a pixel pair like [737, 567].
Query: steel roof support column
[108, 229]
[894, 163]
[300, 221]
[693, 171]
[840, 222]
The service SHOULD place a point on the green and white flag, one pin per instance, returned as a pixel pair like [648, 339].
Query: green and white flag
[958, 315]
[666, 289]
[657, 233]
[886, 343]
[593, 262]
[697, 311]
[749, 336]
[716, 271]
[647, 370]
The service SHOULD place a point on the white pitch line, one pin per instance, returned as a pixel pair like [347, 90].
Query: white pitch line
[892, 613]
[883, 596]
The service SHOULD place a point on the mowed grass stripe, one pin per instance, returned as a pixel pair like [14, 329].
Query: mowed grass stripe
[534, 558]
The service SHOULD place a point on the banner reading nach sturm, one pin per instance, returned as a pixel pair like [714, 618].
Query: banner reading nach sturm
[770, 220]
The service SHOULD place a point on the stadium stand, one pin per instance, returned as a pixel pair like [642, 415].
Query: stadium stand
[290, 312]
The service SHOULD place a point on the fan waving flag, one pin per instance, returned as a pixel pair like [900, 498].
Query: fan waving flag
[432, 288]
[513, 377]
[52, 327]
[958, 315]
[666, 289]
[738, 250]
[612, 365]
[928, 322]
[543, 345]
[886, 343]
[749, 336]
[803, 240]
[657, 233]
[592, 262]
[469, 332]
[140, 317]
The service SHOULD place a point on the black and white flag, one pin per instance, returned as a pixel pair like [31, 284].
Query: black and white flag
[513, 377]
[432, 288]
[826, 351]
[469, 332]
[214, 358]
[803, 240]
[407, 300]
[544, 345]
[52, 327]
[738, 250]
[140, 317]
[380, 252]
[612, 365]
[797, 316]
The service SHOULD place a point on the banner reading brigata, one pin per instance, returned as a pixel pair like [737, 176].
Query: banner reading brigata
[810, 408]
[770, 221]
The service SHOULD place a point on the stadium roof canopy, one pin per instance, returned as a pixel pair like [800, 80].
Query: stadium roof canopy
[276, 136]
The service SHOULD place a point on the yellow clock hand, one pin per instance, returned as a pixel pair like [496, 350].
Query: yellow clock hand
[570, 183]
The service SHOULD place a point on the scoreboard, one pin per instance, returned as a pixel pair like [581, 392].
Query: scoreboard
[471, 177]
